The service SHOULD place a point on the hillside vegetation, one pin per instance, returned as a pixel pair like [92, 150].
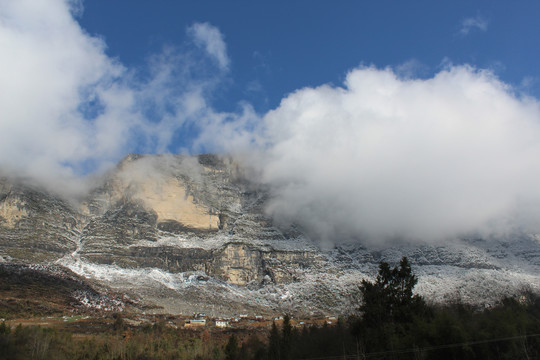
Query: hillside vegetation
[390, 323]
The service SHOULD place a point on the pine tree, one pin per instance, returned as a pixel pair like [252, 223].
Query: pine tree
[388, 306]
[390, 297]
[274, 343]
[286, 338]
[231, 349]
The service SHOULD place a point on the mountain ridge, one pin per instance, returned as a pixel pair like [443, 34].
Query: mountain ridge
[189, 234]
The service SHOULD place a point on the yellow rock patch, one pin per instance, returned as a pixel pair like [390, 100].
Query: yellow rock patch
[12, 211]
[168, 199]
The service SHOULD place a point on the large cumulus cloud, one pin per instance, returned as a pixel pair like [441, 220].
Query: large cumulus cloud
[385, 157]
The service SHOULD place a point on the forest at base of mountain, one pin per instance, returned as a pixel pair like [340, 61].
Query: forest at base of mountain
[391, 323]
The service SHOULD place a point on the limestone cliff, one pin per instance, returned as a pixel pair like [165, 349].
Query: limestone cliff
[34, 225]
[189, 233]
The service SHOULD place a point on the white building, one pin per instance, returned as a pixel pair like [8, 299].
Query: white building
[222, 323]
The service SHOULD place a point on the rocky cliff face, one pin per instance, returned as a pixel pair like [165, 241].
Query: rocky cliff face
[35, 226]
[180, 214]
[189, 234]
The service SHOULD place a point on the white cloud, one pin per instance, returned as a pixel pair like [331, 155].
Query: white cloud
[48, 68]
[469, 24]
[210, 38]
[67, 108]
[386, 157]
[411, 69]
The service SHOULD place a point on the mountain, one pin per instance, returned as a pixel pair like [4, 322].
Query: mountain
[184, 234]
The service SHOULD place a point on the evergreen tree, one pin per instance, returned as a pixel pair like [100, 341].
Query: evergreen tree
[231, 349]
[388, 307]
[391, 297]
[274, 343]
[286, 338]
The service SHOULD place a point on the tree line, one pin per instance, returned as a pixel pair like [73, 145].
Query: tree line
[391, 322]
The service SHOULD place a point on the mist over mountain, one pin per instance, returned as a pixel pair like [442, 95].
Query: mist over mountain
[387, 157]
[192, 233]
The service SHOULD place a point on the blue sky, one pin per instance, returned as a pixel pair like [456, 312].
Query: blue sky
[277, 47]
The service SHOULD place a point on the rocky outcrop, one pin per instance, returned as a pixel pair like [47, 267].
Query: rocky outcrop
[241, 264]
[35, 226]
